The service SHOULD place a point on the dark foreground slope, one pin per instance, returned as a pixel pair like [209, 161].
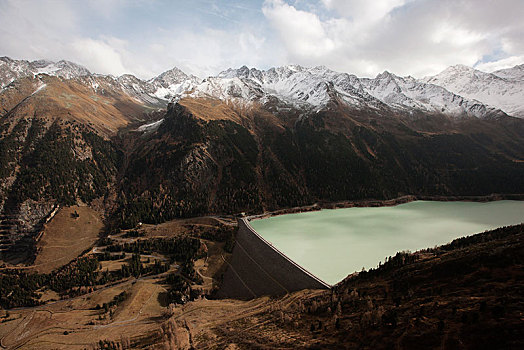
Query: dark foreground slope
[464, 295]
[257, 268]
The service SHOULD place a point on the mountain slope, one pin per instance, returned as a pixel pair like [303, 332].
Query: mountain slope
[207, 156]
[93, 101]
[55, 150]
[56, 123]
[503, 89]
[243, 141]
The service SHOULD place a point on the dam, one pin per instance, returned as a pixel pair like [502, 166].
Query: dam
[257, 268]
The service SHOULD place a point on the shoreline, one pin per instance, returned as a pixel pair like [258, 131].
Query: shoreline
[370, 203]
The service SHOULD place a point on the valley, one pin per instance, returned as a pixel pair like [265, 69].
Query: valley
[119, 201]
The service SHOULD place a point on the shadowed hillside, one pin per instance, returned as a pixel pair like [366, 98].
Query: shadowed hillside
[258, 159]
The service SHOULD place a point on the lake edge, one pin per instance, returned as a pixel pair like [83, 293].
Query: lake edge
[376, 203]
[347, 266]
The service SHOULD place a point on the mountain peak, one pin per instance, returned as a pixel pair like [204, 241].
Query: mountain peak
[41, 63]
[503, 89]
[461, 68]
[516, 72]
[171, 83]
[242, 72]
[294, 67]
[173, 76]
[305, 87]
[385, 75]
[174, 70]
[15, 69]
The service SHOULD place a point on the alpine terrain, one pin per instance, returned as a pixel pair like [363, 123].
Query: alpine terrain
[119, 199]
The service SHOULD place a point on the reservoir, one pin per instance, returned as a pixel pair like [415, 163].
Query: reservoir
[332, 244]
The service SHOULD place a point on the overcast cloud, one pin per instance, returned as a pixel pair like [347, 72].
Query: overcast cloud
[203, 37]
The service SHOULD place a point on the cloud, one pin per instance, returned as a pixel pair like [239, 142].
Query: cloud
[362, 11]
[34, 29]
[303, 33]
[415, 37]
[500, 64]
[107, 8]
[100, 56]
[209, 51]
[117, 37]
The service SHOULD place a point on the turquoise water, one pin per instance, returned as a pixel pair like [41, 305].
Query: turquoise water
[332, 244]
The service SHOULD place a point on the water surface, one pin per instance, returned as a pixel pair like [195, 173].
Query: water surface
[334, 243]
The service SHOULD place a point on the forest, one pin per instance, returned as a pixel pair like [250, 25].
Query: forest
[19, 288]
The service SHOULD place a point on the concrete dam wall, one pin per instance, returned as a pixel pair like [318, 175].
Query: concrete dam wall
[257, 268]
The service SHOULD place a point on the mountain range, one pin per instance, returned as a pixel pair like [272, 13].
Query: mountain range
[458, 90]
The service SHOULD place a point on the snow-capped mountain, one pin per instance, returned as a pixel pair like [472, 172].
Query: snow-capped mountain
[514, 73]
[292, 84]
[316, 87]
[64, 69]
[458, 91]
[11, 70]
[408, 93]
[503, 89]
[172, 82]
[156, 91]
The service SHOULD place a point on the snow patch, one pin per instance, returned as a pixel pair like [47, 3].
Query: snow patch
[150, 127]
[42, 86]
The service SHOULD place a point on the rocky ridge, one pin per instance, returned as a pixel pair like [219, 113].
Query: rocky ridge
[458, 92]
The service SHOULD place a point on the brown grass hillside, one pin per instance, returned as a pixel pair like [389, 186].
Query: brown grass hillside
[66, 236]
[106, 110]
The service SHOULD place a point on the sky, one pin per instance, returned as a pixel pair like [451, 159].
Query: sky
[204, 37]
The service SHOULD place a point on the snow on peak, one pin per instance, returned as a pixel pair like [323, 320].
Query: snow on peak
[502, 89]
[292, 84]
[11, 70]
[316, 87]
[385, 75]
[514, 73]
[173, 76]
[459, 68]
[64, 69]
[42, 63]
[408, 93]
[242, 72]
[172, 83]
[458, 90]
